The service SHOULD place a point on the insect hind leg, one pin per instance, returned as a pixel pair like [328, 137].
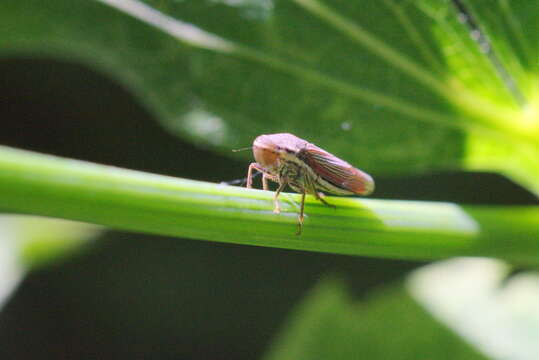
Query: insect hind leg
[266, 177]
[320, 196]
[277, 206]
[301, 214]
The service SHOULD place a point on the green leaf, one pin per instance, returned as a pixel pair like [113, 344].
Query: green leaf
[45, 240]
[475, 299]
[390, 86]
[131, 200]
[11, 269]
[458, 309]
[28, 242]
[274, 68]
[329, 324]
[497, 89]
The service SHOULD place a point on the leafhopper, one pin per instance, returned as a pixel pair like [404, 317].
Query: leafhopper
[306, 168]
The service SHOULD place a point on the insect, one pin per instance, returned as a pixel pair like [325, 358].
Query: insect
[307, 169]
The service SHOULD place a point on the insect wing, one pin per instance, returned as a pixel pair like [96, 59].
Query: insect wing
[338, 172]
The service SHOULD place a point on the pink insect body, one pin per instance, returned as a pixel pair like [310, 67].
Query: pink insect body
[306, 168]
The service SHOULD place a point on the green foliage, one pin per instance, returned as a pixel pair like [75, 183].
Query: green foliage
[393, 87]
[412, 95]
[222, 100]
[464, 295]
[131, 200]
[387, 325]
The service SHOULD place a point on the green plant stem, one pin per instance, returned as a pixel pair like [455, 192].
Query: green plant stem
[38, 184]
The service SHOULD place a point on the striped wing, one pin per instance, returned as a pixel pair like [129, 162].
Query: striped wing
[337, 172]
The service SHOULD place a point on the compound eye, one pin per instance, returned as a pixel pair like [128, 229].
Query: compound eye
[265, 157]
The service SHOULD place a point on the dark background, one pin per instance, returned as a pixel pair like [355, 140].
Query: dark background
[139, 296]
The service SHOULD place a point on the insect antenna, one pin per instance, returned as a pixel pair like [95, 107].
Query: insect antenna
[242, 149]
[241, 181]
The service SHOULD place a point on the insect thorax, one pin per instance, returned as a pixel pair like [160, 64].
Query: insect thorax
[295, 172]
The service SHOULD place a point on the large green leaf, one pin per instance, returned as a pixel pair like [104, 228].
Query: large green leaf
[390, 86]
[457, 309]
[300, 74]
[494, 77]
[389, 325]
[477, 300]
[27, 242]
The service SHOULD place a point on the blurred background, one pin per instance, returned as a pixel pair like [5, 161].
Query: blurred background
[96, 85]
[124, 295]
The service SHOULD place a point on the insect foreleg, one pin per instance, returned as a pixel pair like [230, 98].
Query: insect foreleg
[250, 174]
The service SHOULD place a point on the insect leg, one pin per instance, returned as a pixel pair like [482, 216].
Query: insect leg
[250, 173]
[266, 177]
[277, 208]
[301, 214]
[320, 196]
[264, 182]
